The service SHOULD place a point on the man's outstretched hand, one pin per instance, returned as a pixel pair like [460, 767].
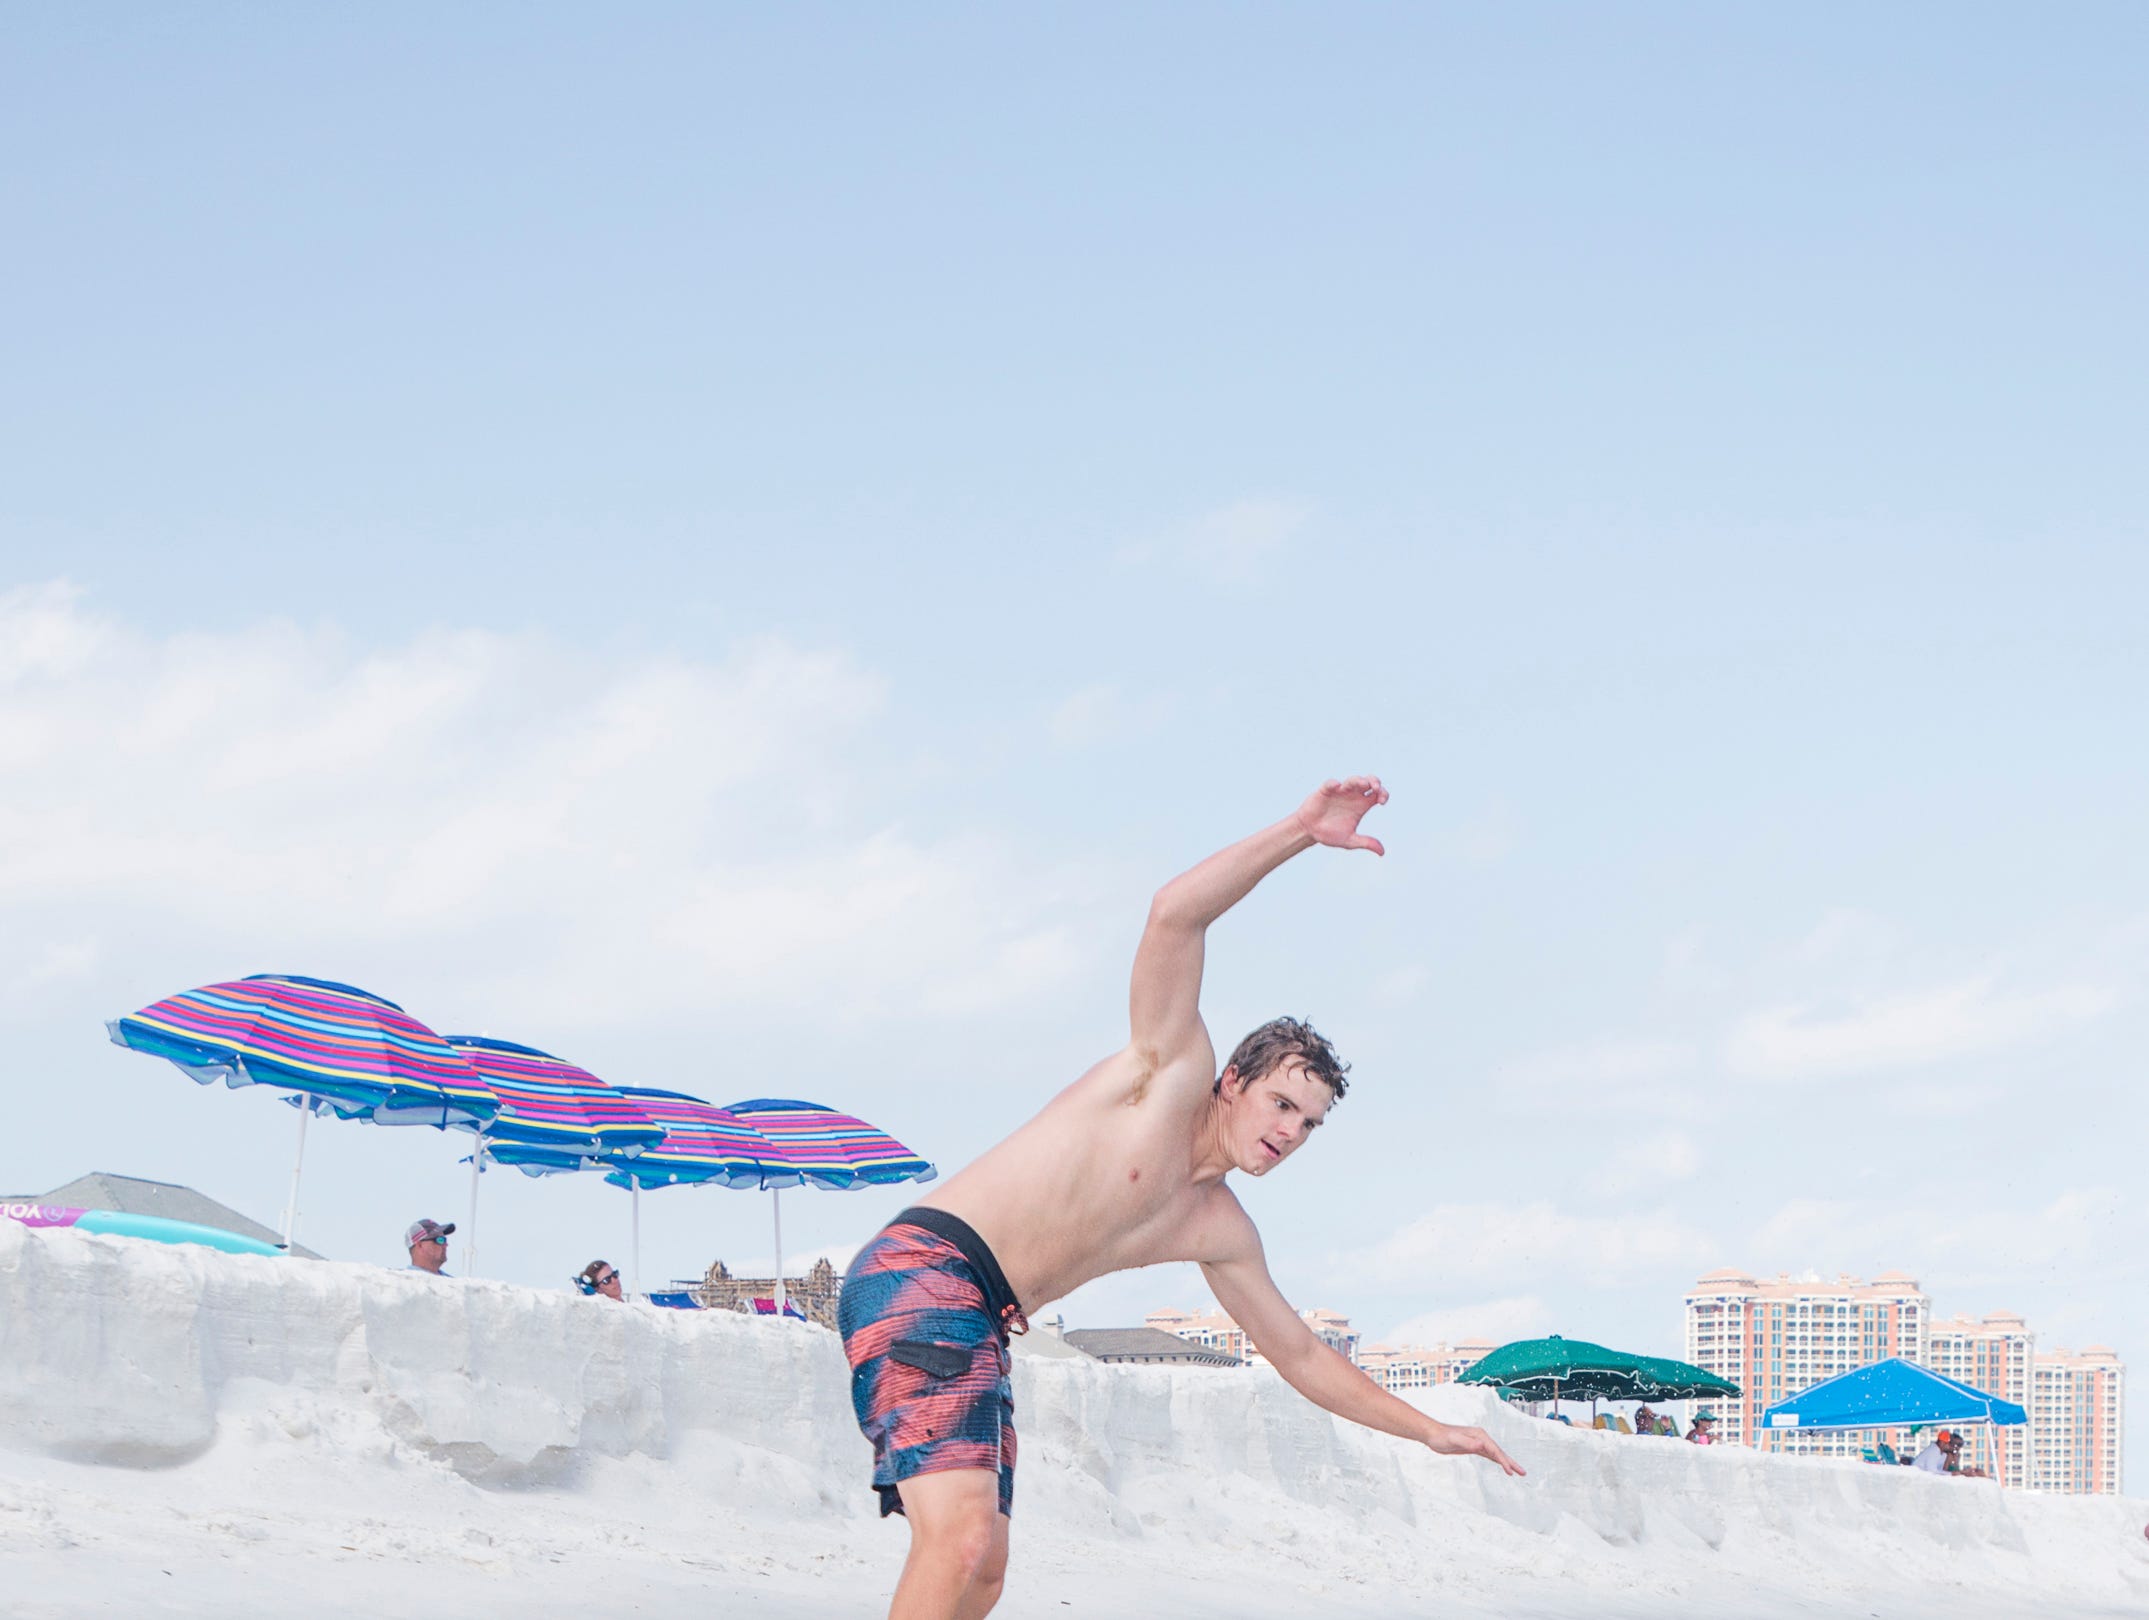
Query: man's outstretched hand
[1453, 1440]
[1332, 812]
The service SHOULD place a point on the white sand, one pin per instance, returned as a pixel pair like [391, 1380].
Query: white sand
[183, 1432]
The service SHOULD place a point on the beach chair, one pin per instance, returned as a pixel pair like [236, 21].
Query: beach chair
[1887, 1454]
[1671, 1427]
[1603, 1420]
[1621, 1424]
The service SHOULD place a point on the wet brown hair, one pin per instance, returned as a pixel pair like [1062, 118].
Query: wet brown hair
[1286, 1040]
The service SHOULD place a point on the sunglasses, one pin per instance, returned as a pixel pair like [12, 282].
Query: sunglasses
[607, 1279]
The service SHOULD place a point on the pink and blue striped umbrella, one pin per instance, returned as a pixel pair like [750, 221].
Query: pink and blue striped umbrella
[327, 1046]
[828, 1149]
[823, 1148]
[552, 1109]
[359, 1053]
[702, 1144]
[547, 1102]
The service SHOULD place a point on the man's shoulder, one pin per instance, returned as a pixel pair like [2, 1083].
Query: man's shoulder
[1229, 1230]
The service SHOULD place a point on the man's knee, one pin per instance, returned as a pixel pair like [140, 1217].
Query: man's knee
[963, 1542]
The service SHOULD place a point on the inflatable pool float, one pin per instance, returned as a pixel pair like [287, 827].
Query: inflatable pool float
[117, 1223]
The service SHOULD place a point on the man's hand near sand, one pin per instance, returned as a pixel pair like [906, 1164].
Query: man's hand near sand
[1124, 1168]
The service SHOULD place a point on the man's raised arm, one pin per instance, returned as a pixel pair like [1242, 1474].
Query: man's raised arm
[1165, 1007]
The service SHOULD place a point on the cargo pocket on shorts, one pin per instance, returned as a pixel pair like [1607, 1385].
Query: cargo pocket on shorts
[940, 1360]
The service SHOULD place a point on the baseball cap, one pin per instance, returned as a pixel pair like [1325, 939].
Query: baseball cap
[420, 1230]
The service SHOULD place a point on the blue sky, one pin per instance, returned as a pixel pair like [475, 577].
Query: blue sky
[742, 546]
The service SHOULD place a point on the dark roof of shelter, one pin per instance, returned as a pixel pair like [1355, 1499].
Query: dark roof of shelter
[131, 1195]
[1144, 1344]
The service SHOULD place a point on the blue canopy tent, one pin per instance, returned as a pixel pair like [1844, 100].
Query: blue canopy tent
[1889, 1394]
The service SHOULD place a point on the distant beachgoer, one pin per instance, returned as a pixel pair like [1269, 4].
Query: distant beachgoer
[1703, 1431]
[427, 1242]
[1645, 1421]
[1124, 1168]
[1943, 1456]
[599, 1277]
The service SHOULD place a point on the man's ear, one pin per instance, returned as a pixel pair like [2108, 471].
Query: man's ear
[1229, 1081]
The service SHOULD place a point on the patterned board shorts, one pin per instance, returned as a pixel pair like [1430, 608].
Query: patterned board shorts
[925, 1316]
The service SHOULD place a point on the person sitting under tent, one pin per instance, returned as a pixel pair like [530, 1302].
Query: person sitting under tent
[1646, 1421]
[1943, 1456]
[599, 1277]
[1703, 1432]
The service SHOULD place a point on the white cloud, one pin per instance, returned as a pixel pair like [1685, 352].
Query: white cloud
[1974, 1015]
[1658, 1160]
[1500, 1320]
[1466, 1243]
[551, 833]
[1971, 1239]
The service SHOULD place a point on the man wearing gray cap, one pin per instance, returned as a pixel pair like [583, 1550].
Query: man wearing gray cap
[428, 1245]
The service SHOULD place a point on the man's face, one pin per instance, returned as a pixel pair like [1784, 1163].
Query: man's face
[429, 1253]
[1270, 1118]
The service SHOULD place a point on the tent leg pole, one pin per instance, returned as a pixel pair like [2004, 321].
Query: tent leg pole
[470, 1234]
[305, 1112]
[776, 1204]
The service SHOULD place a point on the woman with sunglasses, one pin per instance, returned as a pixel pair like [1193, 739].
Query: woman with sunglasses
[599, 1277]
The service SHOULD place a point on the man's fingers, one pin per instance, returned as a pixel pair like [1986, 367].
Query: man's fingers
[1492, 1453]
[1361, 841]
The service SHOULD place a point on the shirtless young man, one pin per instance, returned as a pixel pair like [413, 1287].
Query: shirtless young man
[1124, 1168]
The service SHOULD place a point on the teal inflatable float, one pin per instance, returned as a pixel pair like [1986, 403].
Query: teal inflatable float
[118, 1223]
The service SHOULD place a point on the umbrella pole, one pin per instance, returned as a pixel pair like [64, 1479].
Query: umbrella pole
[305, 1112]
[776, 1204]
[634, 1278]
[470, 1235]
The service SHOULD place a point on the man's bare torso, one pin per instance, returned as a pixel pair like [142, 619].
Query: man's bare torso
[1101, 1180]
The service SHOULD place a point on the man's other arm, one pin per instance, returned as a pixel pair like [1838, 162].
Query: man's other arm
[1250, 1297]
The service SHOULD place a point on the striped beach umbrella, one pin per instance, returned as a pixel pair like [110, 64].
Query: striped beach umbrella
[545, 1101]
[703, 1145]
[326, 1046]
[828, 1149]
[823, 1148]
[699, 1145]
[550, 1104]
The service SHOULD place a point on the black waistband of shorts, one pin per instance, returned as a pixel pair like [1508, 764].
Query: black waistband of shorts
[1000, 1301]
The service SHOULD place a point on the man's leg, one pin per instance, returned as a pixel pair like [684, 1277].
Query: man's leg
[958, 1542]
[991, 1576]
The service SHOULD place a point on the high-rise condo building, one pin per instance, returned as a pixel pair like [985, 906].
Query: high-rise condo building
[1776, 1338]
[2074, 1422]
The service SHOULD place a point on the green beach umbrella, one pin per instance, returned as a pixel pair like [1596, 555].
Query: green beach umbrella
[1556, 1369]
